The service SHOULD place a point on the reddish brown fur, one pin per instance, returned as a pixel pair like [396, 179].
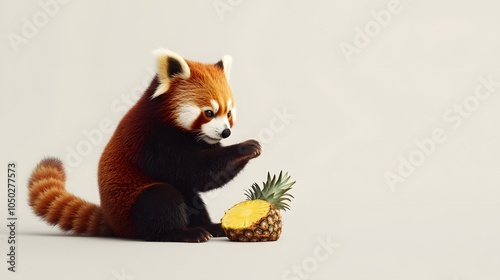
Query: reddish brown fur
[207, 82]
[120, 181]
[50, 200]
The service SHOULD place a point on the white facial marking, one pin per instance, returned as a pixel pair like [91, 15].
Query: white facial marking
[215, 106]
[213, 129]
[233, 114]
[186, 115]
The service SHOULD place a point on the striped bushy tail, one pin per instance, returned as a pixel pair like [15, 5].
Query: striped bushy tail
[49, 199]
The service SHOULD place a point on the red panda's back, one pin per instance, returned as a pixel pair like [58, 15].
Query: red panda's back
[120, 182]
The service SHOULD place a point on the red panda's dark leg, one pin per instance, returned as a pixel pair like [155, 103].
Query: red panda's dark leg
[198, 216]
[224, 163]
[159, 214]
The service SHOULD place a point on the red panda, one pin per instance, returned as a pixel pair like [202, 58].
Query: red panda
[163, 153]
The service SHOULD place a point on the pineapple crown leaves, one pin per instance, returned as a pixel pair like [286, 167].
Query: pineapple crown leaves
[274, 191]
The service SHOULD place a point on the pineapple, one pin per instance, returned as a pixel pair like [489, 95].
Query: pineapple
[258, 218]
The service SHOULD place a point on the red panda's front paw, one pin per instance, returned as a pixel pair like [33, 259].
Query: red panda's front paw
[196, 234]
[250, 149]
[215, 230]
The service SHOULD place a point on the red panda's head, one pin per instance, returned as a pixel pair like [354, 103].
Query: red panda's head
[197, 97]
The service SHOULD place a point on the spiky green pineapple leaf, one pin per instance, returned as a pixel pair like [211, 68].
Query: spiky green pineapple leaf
[274, 190]
[253, 193]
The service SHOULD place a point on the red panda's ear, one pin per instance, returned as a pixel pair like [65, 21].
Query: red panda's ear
[168, 66]
[225, 64]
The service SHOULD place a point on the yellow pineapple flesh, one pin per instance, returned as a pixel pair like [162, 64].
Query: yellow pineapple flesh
[252, 220]
[258, 218]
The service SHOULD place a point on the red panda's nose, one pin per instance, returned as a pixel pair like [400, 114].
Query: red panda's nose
[225, 133]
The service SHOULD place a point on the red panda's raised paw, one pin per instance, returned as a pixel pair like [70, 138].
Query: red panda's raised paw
[250, 149]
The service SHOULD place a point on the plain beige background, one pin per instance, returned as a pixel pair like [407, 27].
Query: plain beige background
[406, 100]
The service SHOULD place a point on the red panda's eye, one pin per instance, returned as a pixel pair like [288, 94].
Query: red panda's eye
[209, 113]
[228, 114]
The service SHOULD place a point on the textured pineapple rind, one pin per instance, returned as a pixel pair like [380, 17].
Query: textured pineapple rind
[266, 229]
